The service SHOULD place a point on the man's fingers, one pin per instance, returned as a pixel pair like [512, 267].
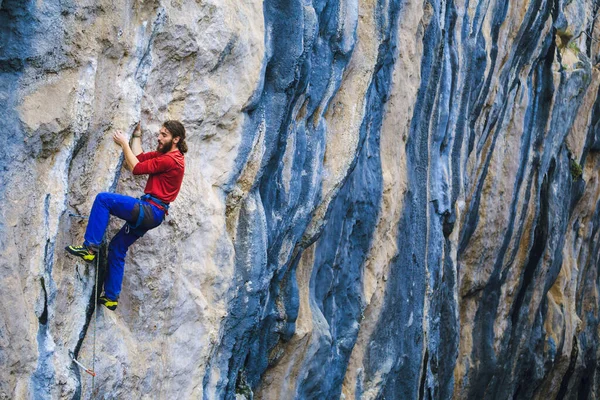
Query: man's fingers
[118, 137]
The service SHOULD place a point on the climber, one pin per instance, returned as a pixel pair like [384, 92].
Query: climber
[165, 167]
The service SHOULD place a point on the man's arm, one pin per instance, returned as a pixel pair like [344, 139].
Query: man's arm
[130, 158]
[136, 140]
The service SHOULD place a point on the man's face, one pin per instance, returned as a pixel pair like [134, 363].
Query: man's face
[165, 141]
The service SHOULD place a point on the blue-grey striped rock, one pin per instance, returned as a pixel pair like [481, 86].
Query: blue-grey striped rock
[383, 199]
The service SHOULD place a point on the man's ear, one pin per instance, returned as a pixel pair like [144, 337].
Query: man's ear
[176, 139]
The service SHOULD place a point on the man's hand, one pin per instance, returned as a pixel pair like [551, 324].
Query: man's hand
[136, 139]
[130, 158]
[119, 138]
[137, 132]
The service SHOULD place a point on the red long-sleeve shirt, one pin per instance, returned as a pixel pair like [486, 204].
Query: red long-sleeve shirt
[166, 173]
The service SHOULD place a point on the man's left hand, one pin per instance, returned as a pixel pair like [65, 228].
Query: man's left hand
[119, 138]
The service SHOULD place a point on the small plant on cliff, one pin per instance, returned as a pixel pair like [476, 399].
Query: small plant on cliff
[573, 47]
[564, 37]
[576, 170]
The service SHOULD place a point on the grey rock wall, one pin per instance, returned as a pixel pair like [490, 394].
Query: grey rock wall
[383, 199]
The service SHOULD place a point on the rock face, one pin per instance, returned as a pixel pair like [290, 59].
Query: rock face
[391, 199]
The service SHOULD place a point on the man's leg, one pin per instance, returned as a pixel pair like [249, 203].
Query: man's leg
[117, 249]
[105, 205]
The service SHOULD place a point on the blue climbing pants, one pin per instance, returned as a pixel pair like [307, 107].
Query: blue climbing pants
[126, 208]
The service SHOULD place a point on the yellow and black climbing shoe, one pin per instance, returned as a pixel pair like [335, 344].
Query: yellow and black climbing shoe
[108, 303]
[82, 251]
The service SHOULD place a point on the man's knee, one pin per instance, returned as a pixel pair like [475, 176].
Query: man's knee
[102, 196]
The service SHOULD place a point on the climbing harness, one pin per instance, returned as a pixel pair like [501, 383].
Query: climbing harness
[152, 199]
[145, 211]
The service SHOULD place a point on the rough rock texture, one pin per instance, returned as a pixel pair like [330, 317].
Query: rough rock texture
[383, 199]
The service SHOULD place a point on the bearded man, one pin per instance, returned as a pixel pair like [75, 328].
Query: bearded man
[165, 168]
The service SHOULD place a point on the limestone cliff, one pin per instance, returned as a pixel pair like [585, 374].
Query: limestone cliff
[383, 199]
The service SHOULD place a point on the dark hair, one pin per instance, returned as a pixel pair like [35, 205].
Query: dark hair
[177, 130]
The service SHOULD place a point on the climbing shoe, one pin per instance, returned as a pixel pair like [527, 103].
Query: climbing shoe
[108, 303]
[82, 251]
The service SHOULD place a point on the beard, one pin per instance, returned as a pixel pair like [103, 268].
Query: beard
[165, 147]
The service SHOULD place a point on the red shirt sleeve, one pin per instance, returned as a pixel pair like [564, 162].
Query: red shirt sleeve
[152, 165]
[147, 156]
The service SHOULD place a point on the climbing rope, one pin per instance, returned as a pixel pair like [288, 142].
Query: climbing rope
[95, 322]
[91, 371]
[71, 214]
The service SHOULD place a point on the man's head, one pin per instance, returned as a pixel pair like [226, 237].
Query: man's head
[171, 136]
